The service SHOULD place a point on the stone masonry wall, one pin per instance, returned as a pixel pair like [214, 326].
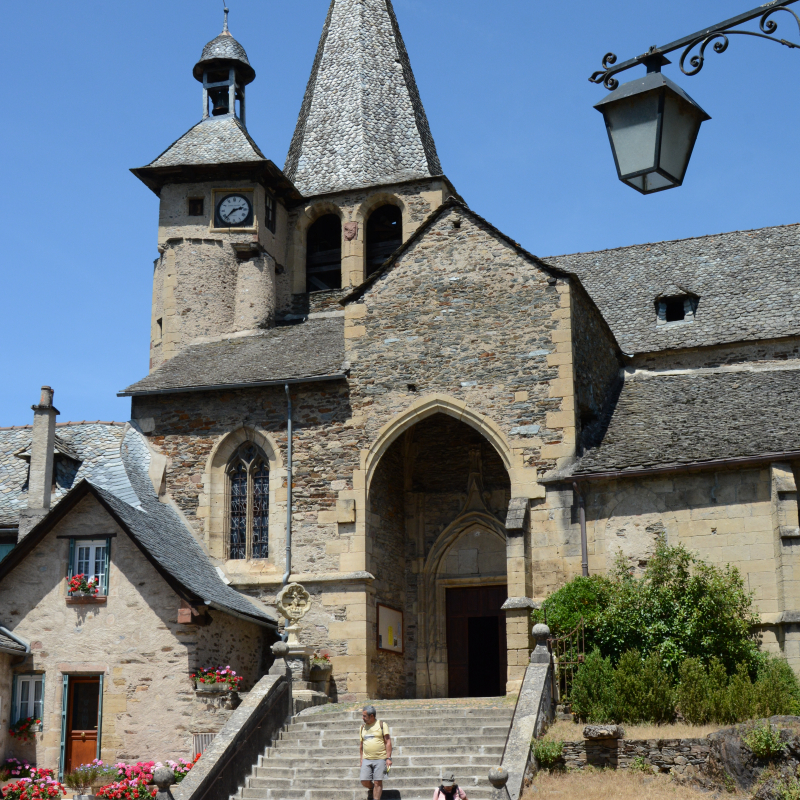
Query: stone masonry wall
[416, 199]
[596, 359]
[133, 639]
[463, 314]
[666, 755]
[5, 703]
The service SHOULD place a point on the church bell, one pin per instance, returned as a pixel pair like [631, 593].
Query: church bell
[219, 99]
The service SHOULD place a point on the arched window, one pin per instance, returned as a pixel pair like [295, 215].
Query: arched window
[384, 235]
[248, 480]
[324, 254]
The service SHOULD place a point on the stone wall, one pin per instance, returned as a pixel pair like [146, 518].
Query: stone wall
[416, 200]
[133, 639]
[597, 360]
[5, 704]
[667, 755]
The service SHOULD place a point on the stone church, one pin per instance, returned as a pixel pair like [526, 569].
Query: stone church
[448, 426]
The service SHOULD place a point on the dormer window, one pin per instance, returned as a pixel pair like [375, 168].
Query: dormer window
[676, 309]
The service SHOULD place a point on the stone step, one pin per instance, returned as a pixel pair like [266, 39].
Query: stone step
[359, 793]
[390, 714]
[474, 748]
[335, 783]
[457, 762]
[396, 731]
[466, 740]
[424, 772]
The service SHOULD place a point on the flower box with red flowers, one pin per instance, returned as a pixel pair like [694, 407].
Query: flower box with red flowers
[221, 679]
[41, 785]
[83, 591]
[24, 729]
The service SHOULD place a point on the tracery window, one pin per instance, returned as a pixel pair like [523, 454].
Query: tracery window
[248, 489]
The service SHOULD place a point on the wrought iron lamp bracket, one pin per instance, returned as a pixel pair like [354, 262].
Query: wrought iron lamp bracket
[718, 34]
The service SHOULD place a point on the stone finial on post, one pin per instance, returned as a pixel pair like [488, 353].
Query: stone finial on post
[279, 667]
[294, 602]
[540, 654]
[498, 777]
[164, 777]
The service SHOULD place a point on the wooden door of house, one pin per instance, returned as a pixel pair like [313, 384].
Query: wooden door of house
[476, 641]
[82, 721]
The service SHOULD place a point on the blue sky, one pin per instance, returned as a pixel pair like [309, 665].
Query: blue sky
[100, 87]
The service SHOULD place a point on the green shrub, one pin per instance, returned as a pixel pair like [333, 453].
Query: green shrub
[788, 789]
[644, 691]
[581, 597]
[680, 608]
[777, 690]
[639, 764]
[593, 695]
[547, 753]
[764, 741]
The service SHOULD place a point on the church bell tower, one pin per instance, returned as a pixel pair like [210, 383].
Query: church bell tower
[222, 218]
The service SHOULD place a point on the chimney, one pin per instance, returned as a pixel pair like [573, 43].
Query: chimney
[40, 477]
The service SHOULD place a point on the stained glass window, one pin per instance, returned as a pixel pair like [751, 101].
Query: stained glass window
[238, 545]
[261, 512]
[249, 504]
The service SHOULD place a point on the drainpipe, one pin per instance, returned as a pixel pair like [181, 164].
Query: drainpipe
[288, 487]
[584, 545]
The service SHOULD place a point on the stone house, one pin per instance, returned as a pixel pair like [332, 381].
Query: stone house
[105, 672]
[449, 426]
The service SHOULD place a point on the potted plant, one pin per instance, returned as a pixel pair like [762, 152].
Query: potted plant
[83, 586]
[12, 769]
[41, 785]
[24, 729]
[321, 666]
[221, 679]
[87, 779]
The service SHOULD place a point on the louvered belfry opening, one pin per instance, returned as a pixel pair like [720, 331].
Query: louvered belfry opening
[248, 520]
[384, 235]
[324, 255]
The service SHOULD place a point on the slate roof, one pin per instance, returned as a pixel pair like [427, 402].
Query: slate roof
[679, 419]
[362, 122]
[215, 140]
[96, 445]
[9, 645]
[312, 350]
[748, 283]
[155, 526]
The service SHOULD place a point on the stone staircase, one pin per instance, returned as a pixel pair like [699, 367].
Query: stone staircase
[316, 757]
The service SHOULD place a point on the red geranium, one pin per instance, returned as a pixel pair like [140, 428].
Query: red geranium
[24, 728]
[80, 584]
[220, 675]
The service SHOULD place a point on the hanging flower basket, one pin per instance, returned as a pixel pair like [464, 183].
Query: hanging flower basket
[321, 667]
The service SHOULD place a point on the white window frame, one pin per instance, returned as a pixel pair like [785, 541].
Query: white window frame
[93, 545]
[27, 685]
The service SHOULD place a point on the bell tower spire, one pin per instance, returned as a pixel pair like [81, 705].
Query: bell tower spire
[224, 70]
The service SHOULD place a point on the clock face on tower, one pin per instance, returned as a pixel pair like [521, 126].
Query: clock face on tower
[234, 211]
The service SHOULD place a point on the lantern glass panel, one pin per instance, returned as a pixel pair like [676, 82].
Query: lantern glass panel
[651, 182]
[633, 128]
[681, 126]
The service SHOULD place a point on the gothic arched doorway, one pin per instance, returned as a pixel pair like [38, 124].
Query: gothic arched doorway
[437, 503]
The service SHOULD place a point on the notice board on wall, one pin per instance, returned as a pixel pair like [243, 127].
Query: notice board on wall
[390, 629]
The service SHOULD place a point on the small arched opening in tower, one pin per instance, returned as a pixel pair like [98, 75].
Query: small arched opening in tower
[324, 254]
[384, 235]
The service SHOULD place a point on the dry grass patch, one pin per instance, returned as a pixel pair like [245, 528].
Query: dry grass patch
[592, 784]
[571, 732]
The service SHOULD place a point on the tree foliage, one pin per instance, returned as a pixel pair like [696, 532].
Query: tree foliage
[681, 607]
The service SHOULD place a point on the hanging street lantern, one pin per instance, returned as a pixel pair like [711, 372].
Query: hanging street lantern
[652, 123]
[652, 126]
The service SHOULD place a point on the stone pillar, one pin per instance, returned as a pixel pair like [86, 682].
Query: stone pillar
[353, 254]
[498, 777]
[786, 537]
[40, 478]
[164, 777]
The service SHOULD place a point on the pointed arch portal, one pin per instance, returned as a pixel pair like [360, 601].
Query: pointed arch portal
[437, 500]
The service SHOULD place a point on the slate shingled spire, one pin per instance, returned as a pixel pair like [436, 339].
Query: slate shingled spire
[362, 122]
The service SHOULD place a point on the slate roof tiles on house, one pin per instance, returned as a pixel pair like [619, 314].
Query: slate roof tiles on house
[677, 420]
[97, 445]
[9, 645]
[748, 283]
[362, 122]
[312, 350]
